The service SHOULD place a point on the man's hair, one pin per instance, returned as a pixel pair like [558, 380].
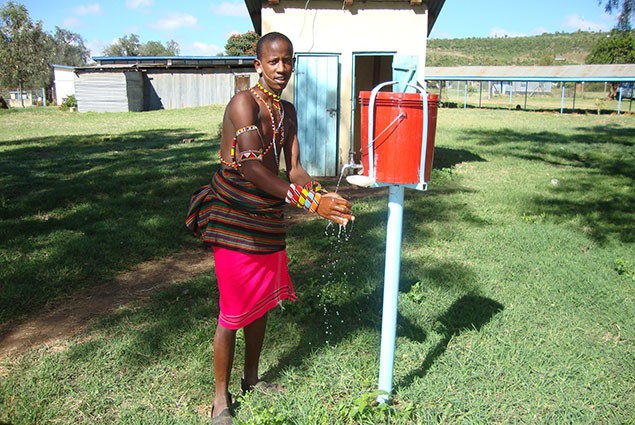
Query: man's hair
[270, 38]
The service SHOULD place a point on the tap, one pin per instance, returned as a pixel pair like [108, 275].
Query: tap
[351, 164]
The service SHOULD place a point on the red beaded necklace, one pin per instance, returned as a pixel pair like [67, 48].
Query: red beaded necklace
[274, 129]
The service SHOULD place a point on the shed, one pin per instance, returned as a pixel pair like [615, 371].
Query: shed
[109, 91]
[142, 83]
[342, 48]
[64, 82]
[605, 73]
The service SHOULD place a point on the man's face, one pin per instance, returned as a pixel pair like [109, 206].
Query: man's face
[276, 64]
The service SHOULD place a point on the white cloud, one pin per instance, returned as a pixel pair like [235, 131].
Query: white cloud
[440, 34]
[72, 22]
[175, 21]
[88, 9]
[575, 22]
[501, 32]
[96, 47]
[201, 49]
[137, 4]
[230, 9]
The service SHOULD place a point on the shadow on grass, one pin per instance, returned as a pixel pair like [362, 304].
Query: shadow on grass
[602, 159]
[449, 157]
[77, 210]
[468, 313]
[340, 284]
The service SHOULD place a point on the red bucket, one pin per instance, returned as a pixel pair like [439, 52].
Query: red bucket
[397, 135]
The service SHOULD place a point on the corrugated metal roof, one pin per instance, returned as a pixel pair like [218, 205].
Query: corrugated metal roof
[562, 73]
[174, 61]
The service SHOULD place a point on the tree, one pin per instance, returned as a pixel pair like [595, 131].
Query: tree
[129, 45]
[617, 47]
[242, 44]
[156, 48]
[627, 11]
[23, 48]
[69, 48]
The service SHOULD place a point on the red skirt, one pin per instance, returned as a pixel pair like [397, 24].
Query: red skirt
[250, 285]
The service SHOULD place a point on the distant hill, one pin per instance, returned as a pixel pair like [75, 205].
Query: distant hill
[545, 49]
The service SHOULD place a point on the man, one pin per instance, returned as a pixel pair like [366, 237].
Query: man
[241, 216]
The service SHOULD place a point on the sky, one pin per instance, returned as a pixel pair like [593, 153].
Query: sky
[202, 27]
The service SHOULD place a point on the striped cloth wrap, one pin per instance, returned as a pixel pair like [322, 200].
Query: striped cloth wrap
[233, 213]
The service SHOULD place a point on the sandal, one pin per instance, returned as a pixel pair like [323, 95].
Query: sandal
[226, 415]
[262, 386]
[224, 418]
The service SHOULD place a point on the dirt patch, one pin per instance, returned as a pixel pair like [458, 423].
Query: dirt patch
[68, 318]
[73, 315]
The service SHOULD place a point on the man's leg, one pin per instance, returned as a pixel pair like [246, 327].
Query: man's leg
[254, 338]
[224, 345]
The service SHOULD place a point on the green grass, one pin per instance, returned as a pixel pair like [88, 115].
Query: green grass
[517, 284]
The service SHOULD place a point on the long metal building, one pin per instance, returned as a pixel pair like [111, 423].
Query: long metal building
[121, 84]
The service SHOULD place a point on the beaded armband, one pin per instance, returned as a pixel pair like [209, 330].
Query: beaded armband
[250, 155]
[315, 186]
[303, 198]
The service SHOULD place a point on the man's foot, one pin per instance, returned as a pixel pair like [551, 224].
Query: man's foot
[261, 386]
[225, 415]
[223, 418]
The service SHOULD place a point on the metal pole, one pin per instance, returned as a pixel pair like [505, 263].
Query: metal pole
[526, 91]
[511, 93]
[619, 103]
[480, 94]
[562, 102]
[391, 290]
[575, 91]
[465, 96]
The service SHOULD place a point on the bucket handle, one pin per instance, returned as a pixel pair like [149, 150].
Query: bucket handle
[371, 122]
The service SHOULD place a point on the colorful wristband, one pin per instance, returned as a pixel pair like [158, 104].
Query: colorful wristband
[315, 186]
[303, 198]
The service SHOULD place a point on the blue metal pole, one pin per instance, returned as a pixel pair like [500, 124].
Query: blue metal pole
[465, 96]
[511, 93]
[562, 102]
[391, 290]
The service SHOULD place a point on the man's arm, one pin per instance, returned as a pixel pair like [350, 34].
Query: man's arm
[243, 112]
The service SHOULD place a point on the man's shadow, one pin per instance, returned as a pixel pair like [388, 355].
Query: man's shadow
[470, 312]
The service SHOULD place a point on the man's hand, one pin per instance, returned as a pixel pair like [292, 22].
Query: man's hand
[335, 208]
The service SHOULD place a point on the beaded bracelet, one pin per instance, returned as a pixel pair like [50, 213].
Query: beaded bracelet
[315, 186]
[303, 198]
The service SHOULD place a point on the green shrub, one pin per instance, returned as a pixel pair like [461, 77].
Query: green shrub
[69, 102]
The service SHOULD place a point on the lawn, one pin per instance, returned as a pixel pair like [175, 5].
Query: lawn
[516, 293]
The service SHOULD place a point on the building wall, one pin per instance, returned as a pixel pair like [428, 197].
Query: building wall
[184, 88]
[64, 82]
[370, 26]
[102, 92]
[153, 89]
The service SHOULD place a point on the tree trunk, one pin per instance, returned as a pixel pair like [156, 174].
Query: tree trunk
[20, 93]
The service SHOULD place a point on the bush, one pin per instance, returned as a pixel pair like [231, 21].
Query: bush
[69, 102]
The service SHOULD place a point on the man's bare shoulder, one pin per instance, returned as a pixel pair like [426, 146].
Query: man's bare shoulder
[243, 98]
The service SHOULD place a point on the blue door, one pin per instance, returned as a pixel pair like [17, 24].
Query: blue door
[317, 103]
[404, 70]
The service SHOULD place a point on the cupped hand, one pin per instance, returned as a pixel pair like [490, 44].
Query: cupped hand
[335, 208]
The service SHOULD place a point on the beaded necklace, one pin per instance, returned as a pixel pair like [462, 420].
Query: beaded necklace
[274, 97]
[274, 129]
